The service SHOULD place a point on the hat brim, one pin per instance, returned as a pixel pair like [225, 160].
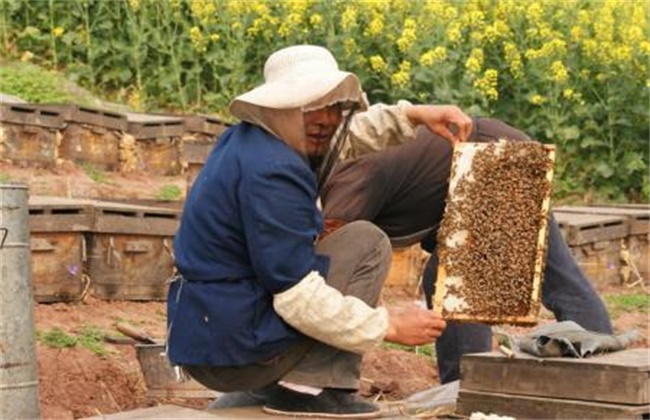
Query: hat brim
[303, 92]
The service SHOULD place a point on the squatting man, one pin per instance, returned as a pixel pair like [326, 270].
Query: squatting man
[266, 306]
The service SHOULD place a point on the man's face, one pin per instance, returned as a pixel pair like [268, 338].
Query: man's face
[320, 126]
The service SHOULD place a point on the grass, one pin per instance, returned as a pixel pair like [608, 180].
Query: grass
[168, 193]
[94, 173]
[33, 84]
[628, 302]
[426, 350]
[56, 338]
[89, 337]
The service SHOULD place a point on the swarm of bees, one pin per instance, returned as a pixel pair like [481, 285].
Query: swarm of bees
[492, 239]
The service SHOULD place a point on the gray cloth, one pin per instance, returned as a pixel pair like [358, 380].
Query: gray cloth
[568, 339]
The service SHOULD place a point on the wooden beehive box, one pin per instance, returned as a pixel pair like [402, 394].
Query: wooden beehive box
[29, 135]
[611, 386]
[130, 251]
[157, 142]
[637, 239]
[59, 228]
[595, 242]
[492, 239]
[201, 134]
[90, 135]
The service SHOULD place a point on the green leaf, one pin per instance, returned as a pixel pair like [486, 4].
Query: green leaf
[570, 133]
[604, 169]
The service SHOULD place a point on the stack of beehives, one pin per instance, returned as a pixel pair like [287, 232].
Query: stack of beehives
[46, 134]
[113, 250]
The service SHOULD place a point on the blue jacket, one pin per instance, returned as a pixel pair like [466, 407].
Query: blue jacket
[247, 232]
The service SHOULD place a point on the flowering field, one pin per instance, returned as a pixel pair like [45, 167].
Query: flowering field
[572, 73]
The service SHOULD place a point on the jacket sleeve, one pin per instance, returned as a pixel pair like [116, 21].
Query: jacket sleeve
[379, 127]
[320, 311]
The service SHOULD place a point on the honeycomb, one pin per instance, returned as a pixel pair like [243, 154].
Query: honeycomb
[492, 238]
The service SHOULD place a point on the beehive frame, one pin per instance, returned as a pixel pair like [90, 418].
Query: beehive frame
[452, 293]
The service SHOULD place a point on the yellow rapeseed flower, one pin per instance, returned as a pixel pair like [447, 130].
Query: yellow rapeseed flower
[349, 18]
[377, 63]
[409, 36]
[135, 4]
[487, 85]
[537, 99]
[475, 61]
[58, 32]
[203, 10]
[316, 20]
[644, 47]
[513, 59]
[402, 77]
[433, 56]
[453, 32]
[559, 72]
[197, 39]
[291, 23]
[350, 47]
[375, 27]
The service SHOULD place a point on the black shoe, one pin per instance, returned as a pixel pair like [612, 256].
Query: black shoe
[252, 398]
[330, 403]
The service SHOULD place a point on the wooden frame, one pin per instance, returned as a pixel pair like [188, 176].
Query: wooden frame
[444, 296]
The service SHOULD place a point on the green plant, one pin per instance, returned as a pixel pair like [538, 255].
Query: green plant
[94, 173]
[574, 74]
[92, 338]
[427, 350]
[5, 178]
[629, 302]
[33, 84]
[56, 338]
[168, 193]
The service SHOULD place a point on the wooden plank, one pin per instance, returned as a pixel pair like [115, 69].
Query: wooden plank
[619, 377]
[58, 214]
[639, 219]
[133, 219]
[528, 407]
[582, 229]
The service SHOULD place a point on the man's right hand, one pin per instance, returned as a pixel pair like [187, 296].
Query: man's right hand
[414, 326]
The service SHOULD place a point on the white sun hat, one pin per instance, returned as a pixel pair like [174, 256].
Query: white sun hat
[302, 76]
[297, 79]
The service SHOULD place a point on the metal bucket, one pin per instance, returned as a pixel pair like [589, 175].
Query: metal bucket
[18, 364]
[165, 381]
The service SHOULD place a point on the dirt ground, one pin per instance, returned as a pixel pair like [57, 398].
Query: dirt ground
[75, 382]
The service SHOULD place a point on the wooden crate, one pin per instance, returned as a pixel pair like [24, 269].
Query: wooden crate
[637, 240]
[157, 142]
[130, 251]
[595, 241]
[59, 229]
[29, 135]
[406, 269]
[533, 408]
[462, 295]
[611, 386]
[90, 135]
[619, 377]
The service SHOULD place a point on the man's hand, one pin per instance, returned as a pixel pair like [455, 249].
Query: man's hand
[447, 121]
[414, 326]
